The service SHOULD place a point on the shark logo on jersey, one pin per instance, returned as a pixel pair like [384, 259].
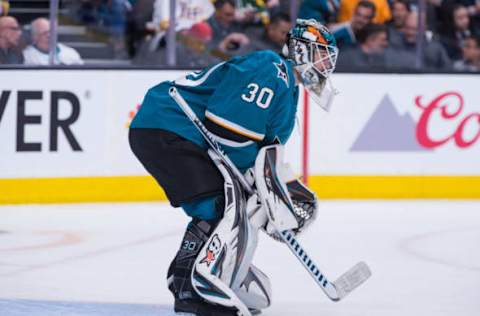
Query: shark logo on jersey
[282, 71]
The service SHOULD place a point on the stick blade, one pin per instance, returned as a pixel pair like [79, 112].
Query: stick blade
[352, 279]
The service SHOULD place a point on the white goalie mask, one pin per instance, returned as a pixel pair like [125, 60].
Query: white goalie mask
[313, 50]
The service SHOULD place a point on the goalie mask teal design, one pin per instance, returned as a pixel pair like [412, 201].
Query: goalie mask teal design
[313, 50]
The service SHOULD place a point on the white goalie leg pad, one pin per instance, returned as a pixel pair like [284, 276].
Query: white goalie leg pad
[256, 213]
[256, 290]
[272, 189]
[223, 263]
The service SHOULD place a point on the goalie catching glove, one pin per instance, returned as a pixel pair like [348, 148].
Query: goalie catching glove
[288, 204]
[304, 202]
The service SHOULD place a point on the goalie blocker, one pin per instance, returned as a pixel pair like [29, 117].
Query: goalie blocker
[289, 204]
[284, 214]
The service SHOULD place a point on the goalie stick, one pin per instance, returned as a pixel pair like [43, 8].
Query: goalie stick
[336, 290]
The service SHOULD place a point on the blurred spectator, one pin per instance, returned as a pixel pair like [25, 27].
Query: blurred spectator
[107, 16]
[114, 21]
[346, 33]
[474, 12]
[348, 7]
[434, 54]
[471, 55]
[433, 12]
[195, 48]
[226, 32]
[274, 35]
[373, 53]
[201, 31]
[142, 13]
[282, 6]
[192, 49]
[139, 16]
[234, 44]
[324, 11]
[223, 20]
[10, 33]
[38, 52]
[472, 6]
[227, 35]
[273, 5]
[88, 11]
[188, 12]
[370, 49]
[114, 16]
[254, 11]
[400, 10]
[457, 28]
[4, 7]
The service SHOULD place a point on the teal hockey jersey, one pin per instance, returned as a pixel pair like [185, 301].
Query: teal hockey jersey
[246, 102]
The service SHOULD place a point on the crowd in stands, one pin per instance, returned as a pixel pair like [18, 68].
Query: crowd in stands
[371, 34]
[34, 49]
[449, 42]
[211, 34]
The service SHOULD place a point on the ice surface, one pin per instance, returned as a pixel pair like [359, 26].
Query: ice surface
[111, 259]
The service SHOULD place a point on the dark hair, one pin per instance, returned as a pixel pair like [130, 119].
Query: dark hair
[367, 4]
[370, 30]
[457, 6]
[447, 23]
[474, 38]
[220, 3]
[406, 3]
[280, 17]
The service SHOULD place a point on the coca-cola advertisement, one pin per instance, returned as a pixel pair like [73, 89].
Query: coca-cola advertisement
[408, 125]
[449, 108]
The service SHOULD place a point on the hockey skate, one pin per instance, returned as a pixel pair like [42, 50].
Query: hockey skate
[187, 301]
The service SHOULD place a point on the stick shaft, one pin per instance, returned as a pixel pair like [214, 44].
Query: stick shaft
[327, 287]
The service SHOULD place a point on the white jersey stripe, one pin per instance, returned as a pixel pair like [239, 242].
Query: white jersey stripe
[184, 81]
[231, 143]
[234, 127]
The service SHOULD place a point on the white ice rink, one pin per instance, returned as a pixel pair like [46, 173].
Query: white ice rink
[111, 259]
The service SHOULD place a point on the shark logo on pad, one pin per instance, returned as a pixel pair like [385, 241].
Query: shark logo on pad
[213, 249]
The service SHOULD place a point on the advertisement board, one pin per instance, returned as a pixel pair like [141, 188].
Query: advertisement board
[398, 136]
[64, 136]
[399, 125]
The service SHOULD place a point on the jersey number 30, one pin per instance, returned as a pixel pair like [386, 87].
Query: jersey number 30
[262, 98]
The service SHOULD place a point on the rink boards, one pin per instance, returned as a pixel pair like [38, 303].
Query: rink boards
[63, 137]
